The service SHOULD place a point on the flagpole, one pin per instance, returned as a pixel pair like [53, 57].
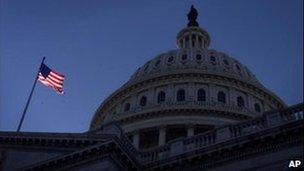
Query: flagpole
[30, 97]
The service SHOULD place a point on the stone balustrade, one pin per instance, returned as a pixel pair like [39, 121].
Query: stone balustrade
[62, 140]
[222, 134]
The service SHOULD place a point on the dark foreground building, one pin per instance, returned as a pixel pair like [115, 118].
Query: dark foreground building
[192, 108]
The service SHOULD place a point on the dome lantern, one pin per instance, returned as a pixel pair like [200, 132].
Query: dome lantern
[193, 36]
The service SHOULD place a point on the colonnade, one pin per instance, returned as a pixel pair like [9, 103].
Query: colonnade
[164, 134]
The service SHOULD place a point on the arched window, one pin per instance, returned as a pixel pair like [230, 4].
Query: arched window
[127, 107]
[143, 101]
[184, 57]
[226, 62]
[257, 107]
[161, 97]
[221, 97]
[201, 95]
[240, 101]
[198, 57]
[181, 94]
[212, 58]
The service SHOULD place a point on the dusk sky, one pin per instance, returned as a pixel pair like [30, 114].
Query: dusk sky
[99, 44]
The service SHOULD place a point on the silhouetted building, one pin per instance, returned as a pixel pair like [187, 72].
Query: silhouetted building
[191, 108]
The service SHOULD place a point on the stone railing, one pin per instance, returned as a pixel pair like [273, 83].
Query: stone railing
[189, 105]
[125, 143]
[181, 146]
[58, 140]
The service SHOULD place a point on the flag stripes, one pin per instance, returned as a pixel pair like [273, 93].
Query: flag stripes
[51, 79]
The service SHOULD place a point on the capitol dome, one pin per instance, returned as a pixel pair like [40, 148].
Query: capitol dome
[184, 92]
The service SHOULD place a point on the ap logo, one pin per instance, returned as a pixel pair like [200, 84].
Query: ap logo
[294, 163]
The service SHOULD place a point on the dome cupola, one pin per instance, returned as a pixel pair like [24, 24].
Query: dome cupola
[193, 37]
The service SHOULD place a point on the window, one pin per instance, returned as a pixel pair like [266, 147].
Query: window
[240, 101]
[181, 95]
[226, 62]
[193, 38]
[200, 41]
[257, 107]
[170, 59]
[212, 58]
[143, 101]
[184, 57]
[201, 95]
[161, 97]
[198, 57]
[221, 97]
[127, 107]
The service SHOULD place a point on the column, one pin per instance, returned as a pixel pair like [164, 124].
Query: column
[120, 108]
[262, 106]
[170, 95]
[136, 139]
[192, 42]
[212, 93]
[133, 101]
[250, 104]
[150, 97]
[231, 96]
[196, 41]
[190, 130]
[162, 136]
[188, 44]
[153, 96]
[191, 92]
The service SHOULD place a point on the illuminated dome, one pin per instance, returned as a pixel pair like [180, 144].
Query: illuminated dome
[184, 92]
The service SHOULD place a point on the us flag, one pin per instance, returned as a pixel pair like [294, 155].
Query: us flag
[51, 78]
